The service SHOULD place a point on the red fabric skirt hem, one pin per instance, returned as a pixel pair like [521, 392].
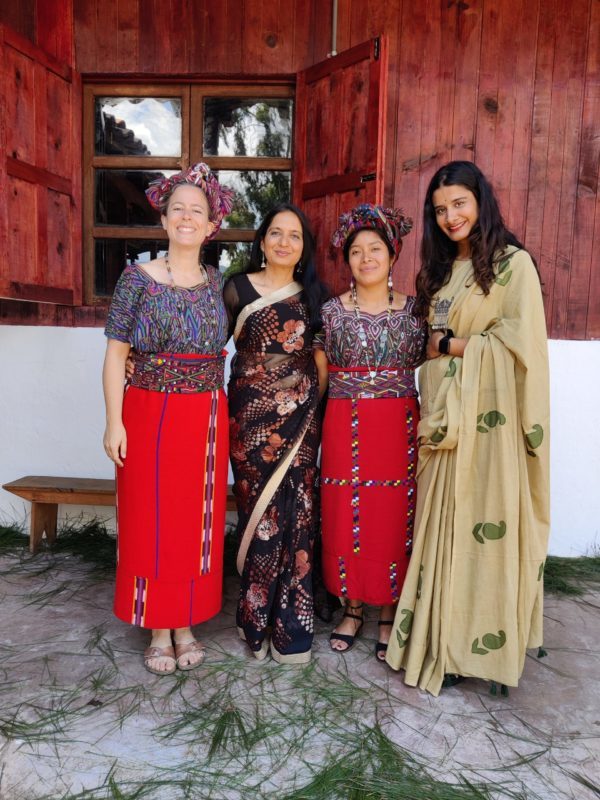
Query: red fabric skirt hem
[368, 495]
[171, 503]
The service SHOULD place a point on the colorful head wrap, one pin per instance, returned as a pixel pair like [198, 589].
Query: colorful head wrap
[391, 222]
[220, 198]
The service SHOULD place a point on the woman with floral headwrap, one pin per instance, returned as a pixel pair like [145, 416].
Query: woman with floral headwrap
[168, 433]
[372, 341]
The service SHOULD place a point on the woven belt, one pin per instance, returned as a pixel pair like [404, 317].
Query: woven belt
[178, 374]
[356, 382]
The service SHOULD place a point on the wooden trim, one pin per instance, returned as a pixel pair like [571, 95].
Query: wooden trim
[35, 293]
[139, 162]
[333, 183]
[88, 123]
[117, 89]
[248, 163]
[35, 53]
[272, 83]
[41, 177]
[197, 125]
[345, 59]
[283, 90]
[235, 235]
[156, 232]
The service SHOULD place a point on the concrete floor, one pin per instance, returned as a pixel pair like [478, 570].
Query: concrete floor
[80, 718]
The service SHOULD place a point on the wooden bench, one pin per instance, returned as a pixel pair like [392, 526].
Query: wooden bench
[47, 492]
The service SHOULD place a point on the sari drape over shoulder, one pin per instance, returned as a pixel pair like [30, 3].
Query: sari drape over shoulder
[472, 600]
[274, 428]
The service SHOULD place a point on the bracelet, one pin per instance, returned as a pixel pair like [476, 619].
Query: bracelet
[444, 343]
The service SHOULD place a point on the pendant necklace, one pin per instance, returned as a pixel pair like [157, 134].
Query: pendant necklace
[204, 283]
[362, 335]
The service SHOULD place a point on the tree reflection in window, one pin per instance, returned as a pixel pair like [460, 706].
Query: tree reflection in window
[248, 127]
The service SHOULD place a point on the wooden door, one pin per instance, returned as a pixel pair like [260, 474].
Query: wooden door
[40, 174]
[339, 143]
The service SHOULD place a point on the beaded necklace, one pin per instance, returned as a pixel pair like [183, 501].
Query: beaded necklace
[362, 334]
[204, 283]
[173, 285]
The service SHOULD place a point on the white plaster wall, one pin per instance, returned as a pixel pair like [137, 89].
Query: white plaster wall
[52, 419]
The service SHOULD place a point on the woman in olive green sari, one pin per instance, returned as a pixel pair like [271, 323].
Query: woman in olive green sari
[472, 601]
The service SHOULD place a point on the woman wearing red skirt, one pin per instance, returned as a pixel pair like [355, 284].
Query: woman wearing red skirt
[372, 341]
[168, 433]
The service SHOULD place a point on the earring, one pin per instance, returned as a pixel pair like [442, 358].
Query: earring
[298, 267]
[353, 289]
[263, 263]
[390, 286]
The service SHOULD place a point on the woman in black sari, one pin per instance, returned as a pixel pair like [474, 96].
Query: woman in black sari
[274, 428]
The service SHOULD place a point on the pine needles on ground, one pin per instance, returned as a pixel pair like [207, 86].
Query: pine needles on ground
[91, 541]
[13, 537]
[571, 576]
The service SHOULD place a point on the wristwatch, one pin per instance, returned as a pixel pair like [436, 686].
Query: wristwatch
[444, 342]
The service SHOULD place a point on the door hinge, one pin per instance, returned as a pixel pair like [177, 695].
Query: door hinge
[377, 46]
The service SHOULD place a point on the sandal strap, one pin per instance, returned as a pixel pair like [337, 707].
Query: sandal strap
[159, 652]
[343, 637]
[353, 616]
[385, 621]
[188, 647]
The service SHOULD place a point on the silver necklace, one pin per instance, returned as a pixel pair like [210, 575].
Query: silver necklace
[204, 282]
[362, 334]
[172, 284]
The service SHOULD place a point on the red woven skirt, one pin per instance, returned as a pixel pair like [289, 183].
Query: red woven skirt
[171, 502]
[368, 494]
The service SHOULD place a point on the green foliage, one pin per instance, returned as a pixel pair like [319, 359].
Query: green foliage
[571, 576]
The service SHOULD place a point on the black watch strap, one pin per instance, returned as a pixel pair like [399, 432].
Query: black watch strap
[444, 343]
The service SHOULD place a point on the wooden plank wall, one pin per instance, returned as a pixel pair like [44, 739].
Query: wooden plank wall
[513, 85]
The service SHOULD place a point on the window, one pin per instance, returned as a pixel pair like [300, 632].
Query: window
[135, 134]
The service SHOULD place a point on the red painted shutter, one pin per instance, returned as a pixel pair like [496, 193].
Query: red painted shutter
[40, 175]
[339, 143]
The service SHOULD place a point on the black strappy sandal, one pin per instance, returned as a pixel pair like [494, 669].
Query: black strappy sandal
[381, 647]
[345, 638]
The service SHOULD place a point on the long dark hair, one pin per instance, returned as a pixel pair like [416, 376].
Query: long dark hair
[305, 272]
[488, 238]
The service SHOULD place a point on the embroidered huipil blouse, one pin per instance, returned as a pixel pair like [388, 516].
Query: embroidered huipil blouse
[403, 351]
[156, 318]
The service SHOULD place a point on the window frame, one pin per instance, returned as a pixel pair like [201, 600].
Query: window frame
[192, 96]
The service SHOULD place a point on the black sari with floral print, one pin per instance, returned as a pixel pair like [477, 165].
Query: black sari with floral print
[274, 437]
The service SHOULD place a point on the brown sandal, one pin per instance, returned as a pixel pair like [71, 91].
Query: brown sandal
[160, 652]
[189, 647]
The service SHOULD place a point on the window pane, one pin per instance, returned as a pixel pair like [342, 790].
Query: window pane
[119, 197]
[113, 255]
[138, 126]
[236, 126]
[256, 193]
[228, 257]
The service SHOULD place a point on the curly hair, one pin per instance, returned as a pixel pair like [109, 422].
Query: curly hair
[488, 238]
